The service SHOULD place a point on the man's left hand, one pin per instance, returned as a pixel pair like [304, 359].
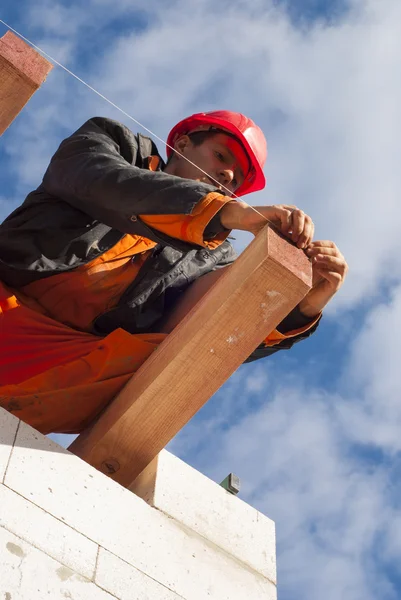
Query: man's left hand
[329, 269]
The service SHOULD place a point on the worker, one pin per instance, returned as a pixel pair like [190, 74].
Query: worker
[98, 255]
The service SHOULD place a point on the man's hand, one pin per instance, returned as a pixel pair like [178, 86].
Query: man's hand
[290, 220]
[328, 264]
[329, 269]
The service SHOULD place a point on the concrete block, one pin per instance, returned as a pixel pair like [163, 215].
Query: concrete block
[127, 583]
[125, 525]
[29, 574]
[46, 533]
[8, 428]
[172, 486]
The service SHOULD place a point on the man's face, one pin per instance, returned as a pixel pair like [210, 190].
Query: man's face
[220, 156]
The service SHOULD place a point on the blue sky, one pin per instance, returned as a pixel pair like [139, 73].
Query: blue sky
[314, 433]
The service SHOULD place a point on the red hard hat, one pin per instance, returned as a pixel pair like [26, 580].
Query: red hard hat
[243, 128]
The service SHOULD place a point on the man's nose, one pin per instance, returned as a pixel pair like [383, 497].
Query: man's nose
[226, 176]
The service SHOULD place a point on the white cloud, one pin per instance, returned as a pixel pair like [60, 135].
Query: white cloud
[374, 369]
[329, 99]
[257, 381]
[56, 19]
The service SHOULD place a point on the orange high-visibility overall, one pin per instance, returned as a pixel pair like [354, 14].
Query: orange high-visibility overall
[55, 374]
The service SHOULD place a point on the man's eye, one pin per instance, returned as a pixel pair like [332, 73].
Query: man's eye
[219, 155]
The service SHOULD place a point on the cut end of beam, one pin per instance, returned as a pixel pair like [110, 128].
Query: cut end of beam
[22, 72]
[24, 59]
[289, 256]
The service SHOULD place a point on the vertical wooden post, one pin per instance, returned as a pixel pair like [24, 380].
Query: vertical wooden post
[222, 329]
[22, 72]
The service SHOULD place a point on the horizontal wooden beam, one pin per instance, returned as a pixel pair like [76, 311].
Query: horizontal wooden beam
[219, 332]
[22, 72]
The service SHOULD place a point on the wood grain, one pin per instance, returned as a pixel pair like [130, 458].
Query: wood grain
[242, 306]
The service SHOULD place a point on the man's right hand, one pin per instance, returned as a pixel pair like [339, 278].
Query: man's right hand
[290, 220]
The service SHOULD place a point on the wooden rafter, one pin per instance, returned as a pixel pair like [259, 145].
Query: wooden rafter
[219, 332]
[22, 72]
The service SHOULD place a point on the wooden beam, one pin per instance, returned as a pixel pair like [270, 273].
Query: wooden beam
[22, 72]
[232, 318]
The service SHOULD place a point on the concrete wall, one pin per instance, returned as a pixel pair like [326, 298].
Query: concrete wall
[67, 531]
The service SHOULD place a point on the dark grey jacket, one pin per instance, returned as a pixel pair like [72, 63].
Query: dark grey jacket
[97, 183]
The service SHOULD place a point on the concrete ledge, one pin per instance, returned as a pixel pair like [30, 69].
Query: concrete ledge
[71, 512]
[119, 578]
[178, 490]
[37, 527]
[29, 574]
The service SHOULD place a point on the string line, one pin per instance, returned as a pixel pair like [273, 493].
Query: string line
[56, 62]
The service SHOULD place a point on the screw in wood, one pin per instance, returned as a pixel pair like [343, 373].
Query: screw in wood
[110, 466]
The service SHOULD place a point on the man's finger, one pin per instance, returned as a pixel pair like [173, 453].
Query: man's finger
[284, 216]
[289, 207]
[312, 251]
[307, 234]
[331, 276]
[323, 244]
[297, 223]
[330, 262]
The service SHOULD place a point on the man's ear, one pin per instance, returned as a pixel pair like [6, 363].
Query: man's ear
[181, 145]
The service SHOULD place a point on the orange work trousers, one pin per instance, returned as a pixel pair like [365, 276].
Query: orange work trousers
[58, 379]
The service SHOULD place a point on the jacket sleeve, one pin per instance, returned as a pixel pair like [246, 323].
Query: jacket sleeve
[97, 170]
[276, 340]
[197, 228]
